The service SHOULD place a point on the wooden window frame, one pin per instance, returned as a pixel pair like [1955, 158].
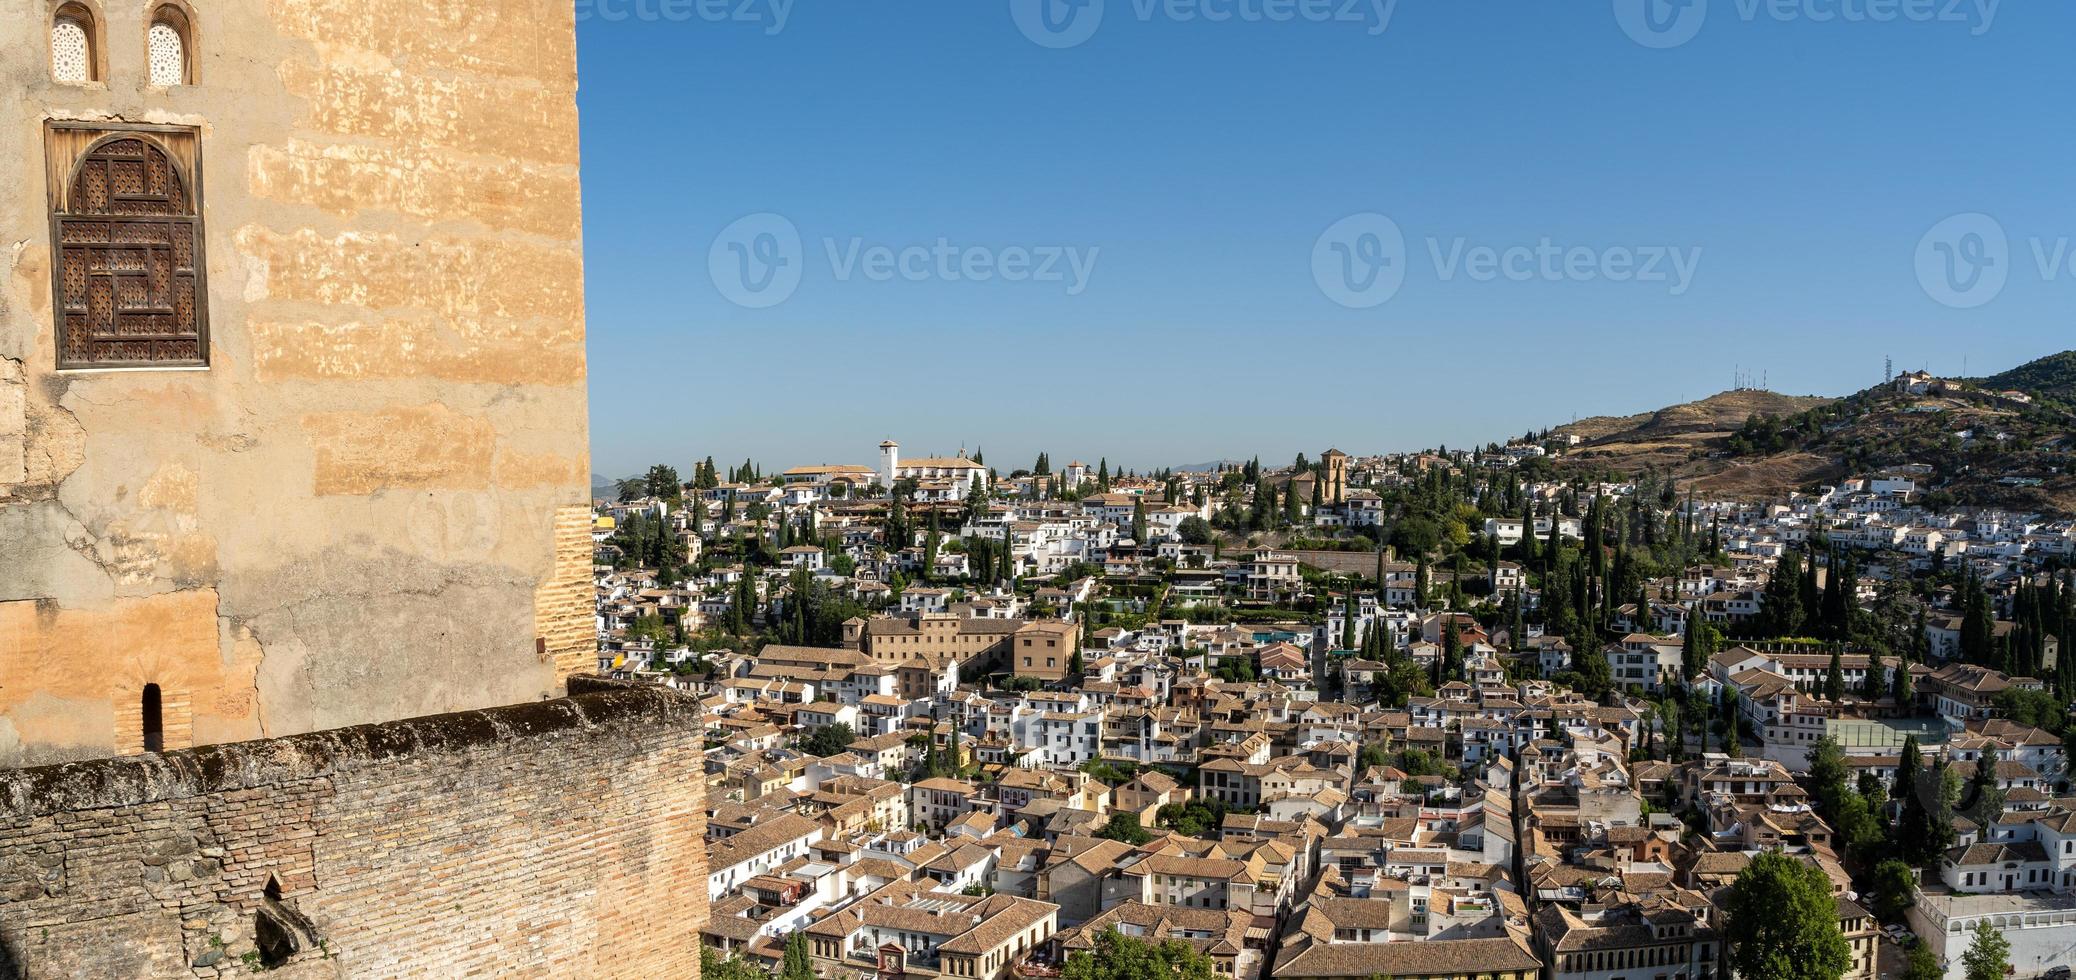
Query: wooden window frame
[183, 149]
[88, 15]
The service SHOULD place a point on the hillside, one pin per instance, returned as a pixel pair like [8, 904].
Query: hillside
[1979, 447]
[1683, 438]
[1721, 413]
[2049, 379]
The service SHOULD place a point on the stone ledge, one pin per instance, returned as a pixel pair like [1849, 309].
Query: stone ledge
[141, 779]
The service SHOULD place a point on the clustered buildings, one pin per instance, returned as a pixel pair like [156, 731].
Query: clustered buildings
[1031, 759]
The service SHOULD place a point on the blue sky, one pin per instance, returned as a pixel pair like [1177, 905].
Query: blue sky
[1786, 181]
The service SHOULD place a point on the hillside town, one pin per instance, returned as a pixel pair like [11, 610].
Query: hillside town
[1459, 713]
[374, 605]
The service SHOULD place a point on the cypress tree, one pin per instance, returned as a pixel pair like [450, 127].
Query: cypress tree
[1690, 651]
[1872, 685]
[1348, 616]
[1733, 743]
[1528, 556]
[1978, 624]
[1783, 597]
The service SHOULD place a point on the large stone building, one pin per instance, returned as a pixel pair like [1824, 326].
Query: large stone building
[923, 646]
[292, 438]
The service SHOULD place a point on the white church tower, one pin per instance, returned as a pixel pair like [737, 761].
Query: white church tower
[889, 461]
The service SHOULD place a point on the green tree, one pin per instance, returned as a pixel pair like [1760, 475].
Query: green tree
[1733, 722]
[1595, 675]
[1939, 791]
[2069, 755]
[1781, 606]
[1782, 923]
[1872, 686]
[1696, 646]
[1907, 765]
[1895, 885]
[796, 965]
[1921, 964]
[2040, 709]
[1348, 618]
[1193, 819]
[1985, 799]
[1827, 772]
[1194, 530]
[1119, 957]
[1125, 827]
[714, 966]
[829, 740]
[1859, 830]
[1989, 956]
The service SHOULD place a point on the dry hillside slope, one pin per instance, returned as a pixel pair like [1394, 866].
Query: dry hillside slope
[1976, 443]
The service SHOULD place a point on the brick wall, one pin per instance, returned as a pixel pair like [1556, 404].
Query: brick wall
[560, 838]
[564, 609]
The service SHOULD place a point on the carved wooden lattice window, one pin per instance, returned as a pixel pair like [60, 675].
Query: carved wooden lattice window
[129, 279]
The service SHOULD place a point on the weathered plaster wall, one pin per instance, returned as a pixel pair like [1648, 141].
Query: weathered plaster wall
[556, 839]
[351, 515]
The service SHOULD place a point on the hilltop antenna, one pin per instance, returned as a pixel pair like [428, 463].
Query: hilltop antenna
[1888, 369]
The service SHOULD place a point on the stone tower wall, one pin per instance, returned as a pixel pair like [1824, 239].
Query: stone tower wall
[369, 504]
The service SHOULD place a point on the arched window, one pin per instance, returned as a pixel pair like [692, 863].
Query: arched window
[129, 263]
[74, 45]
[154, 720]
[169, 47]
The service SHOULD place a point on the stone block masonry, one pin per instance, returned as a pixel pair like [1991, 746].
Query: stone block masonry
[562, 838]
[355, 512]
